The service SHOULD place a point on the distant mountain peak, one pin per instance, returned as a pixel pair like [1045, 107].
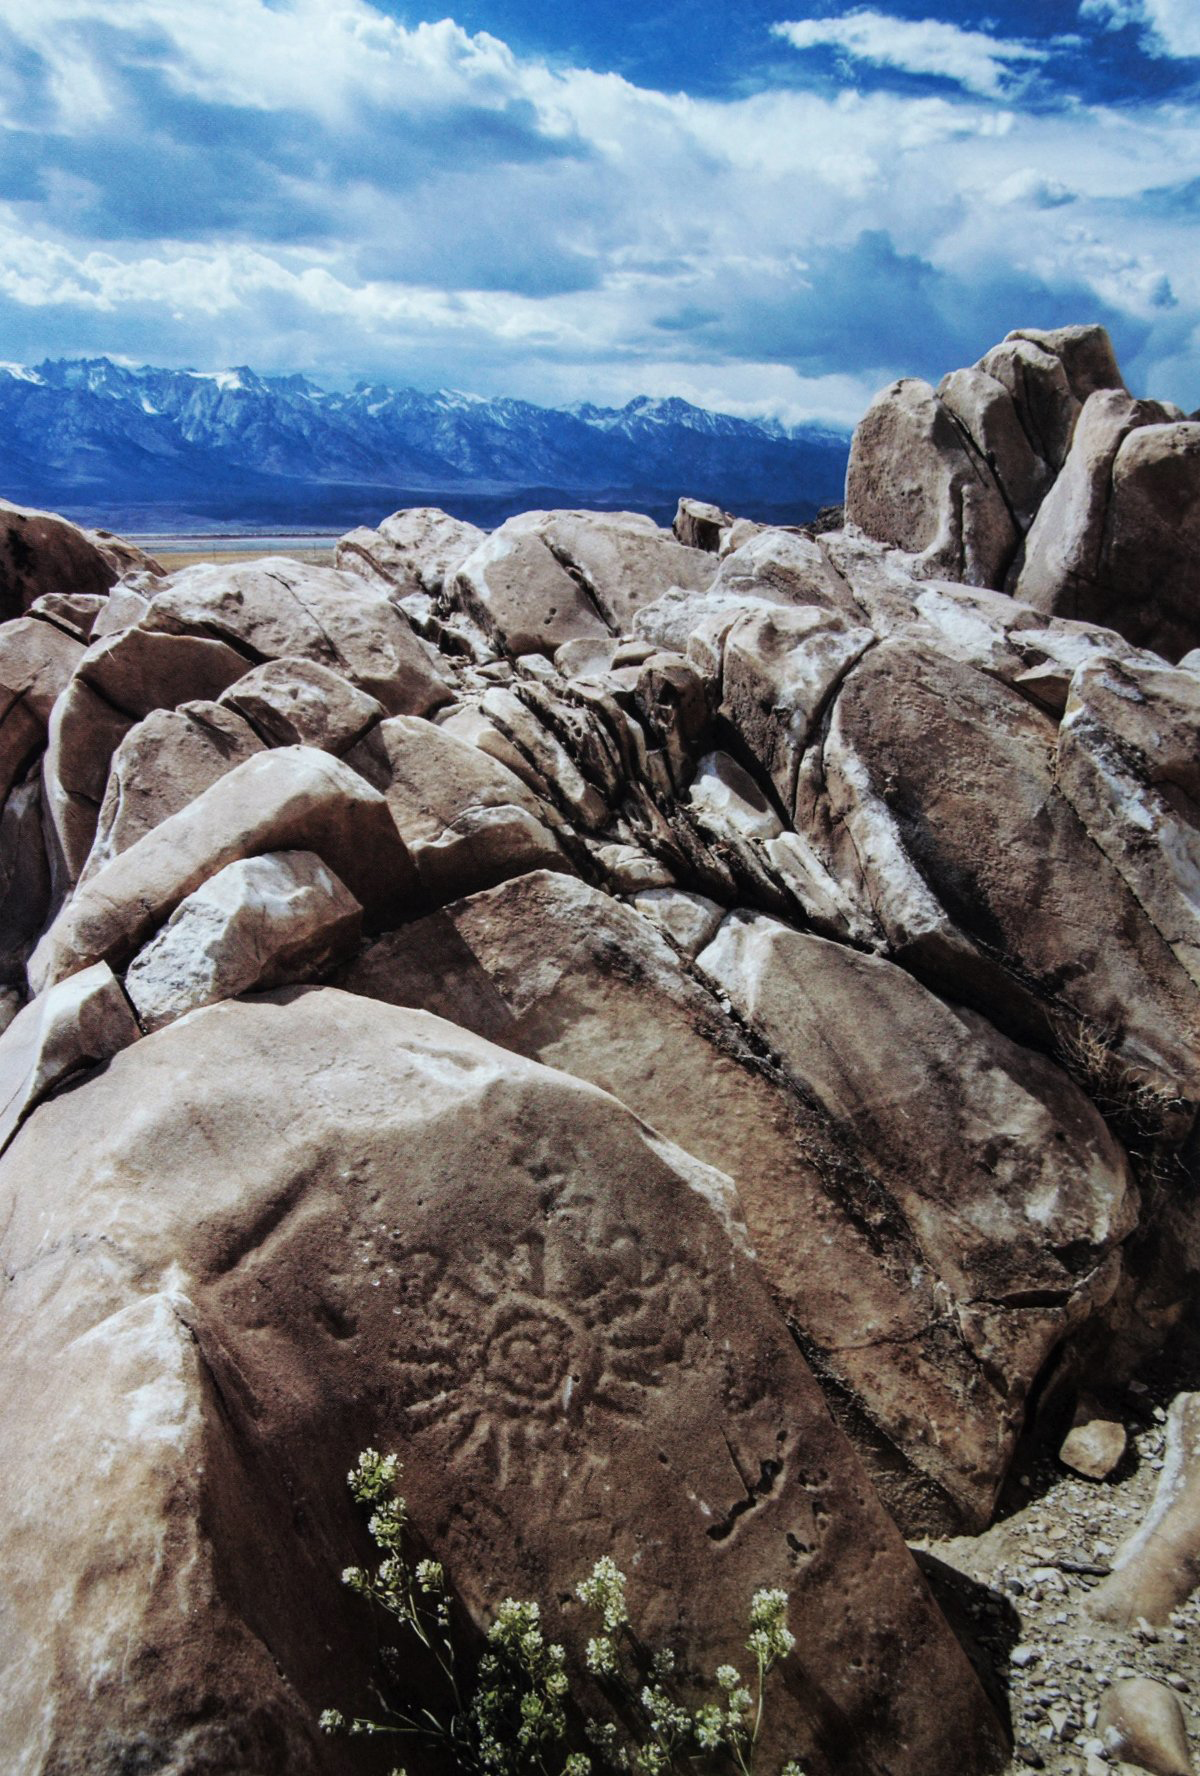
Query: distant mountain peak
[92, 434]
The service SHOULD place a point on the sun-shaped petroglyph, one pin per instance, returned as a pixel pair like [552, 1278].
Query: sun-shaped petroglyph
[505, 1352]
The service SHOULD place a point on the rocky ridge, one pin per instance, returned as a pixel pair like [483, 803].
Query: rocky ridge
[690, 1037]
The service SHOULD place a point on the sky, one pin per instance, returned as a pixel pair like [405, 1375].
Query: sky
[764, 208]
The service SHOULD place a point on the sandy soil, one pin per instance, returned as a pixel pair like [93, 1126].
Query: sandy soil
[172, 559]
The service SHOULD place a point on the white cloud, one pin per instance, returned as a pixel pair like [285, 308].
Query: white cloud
[980, 63]
[1170, 27]
[1027, 185]
[300, 186]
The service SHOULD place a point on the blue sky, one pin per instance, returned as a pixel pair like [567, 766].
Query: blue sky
[761, 207]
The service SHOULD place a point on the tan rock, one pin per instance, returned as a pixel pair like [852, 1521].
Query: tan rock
[980, 872]
[590, 654]
[778, 669]
[689, 920]
[631, 870]
[1128, 765]
[465, 819]
[917, 482]
[986, 411]
[84, 733]
[997, 1161]
[40, 553]
[36, 661]
[468, 723]
[119, 680]
[1086, 354]
[278, 608]
[292, 799]
[783, 567]
[1151, 568]
[124, 606]
[1158, 1567]
[1070, 569]
[1037, 380]
[521, 597]
[75, 613]
[622, 559]
[78, 1024]
[729, 802]
[1094, 1446]
[261, 922]
[162, 764]
[24, 878]
[1141, 1722]
[293, 702]
[331, 1224]
[415, 550]
[548, 765]
[559, 972]
[701, 525]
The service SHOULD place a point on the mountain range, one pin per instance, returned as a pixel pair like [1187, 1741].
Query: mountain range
[155, 449]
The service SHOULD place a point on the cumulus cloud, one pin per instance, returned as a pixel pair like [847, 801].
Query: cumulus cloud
[304, 187]
[1169, 27]
[972, 59]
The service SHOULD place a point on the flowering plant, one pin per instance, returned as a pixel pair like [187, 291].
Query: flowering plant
[516, 1718]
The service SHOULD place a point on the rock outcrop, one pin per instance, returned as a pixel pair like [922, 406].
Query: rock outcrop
[691, 1037]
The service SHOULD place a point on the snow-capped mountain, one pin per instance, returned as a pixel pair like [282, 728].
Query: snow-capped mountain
[152, 448]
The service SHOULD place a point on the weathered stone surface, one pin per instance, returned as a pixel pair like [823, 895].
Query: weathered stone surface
[1115, 541]
[261, 922]
[729, 801]
[465, 819]
[73, 612]
[1141, 1722]
[36, 661]
[1128, 764]
[701, 525]
[292, 702]
[980, 872]
[622, 560]
[545, 762]
[77, 1024]
[1036, 378]
[413, 551]
[998, 1163]
[1086, 354]
[551, 968]
[40, 553]
[1158, 1568]
[293, 799]
[119, 680]
[916, 481]
[688, 920]
[1095, 1445]
[987, 413]
[84, 733]
[518, 593]
[162, 764]
[778, 670]
[278, 608]
[1151, 565]
[298, 1260]
[24, 878]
